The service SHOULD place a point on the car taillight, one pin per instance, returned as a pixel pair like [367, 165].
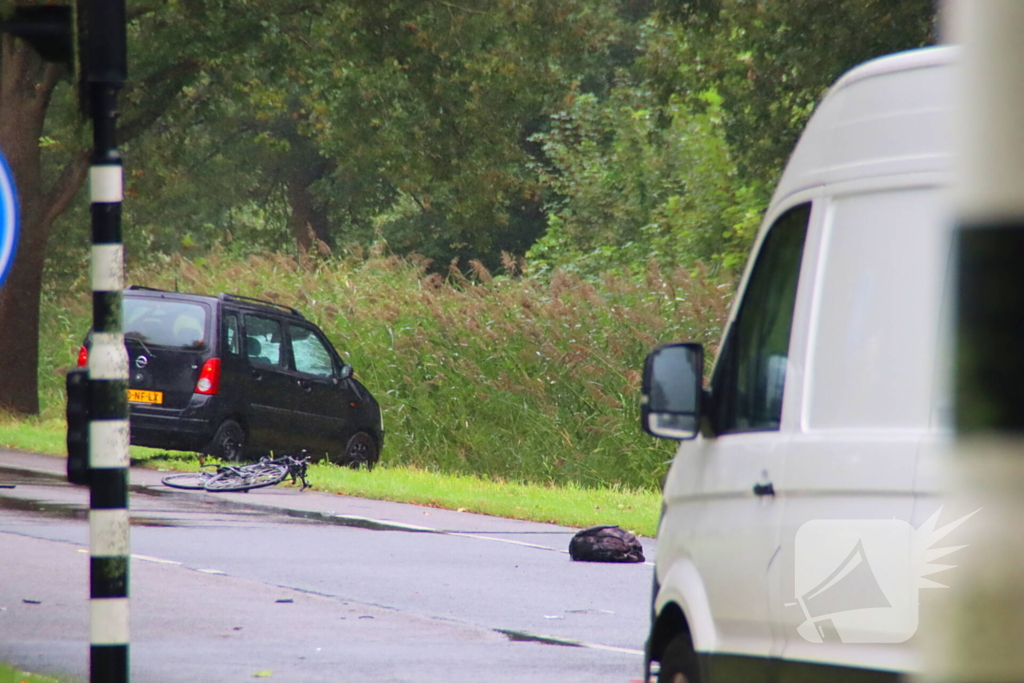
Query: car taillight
[209, 377]
[83, 357]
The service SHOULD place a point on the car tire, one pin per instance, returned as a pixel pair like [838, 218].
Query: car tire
[360, 451]
[228, 443]
[679, 662]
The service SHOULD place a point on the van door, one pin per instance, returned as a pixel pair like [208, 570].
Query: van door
[848, 592]
[234, 367]
[740, 470]
[271, 392]
[324, 399]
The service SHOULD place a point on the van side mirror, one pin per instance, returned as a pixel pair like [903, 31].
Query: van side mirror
[346, 372]
[671, 391]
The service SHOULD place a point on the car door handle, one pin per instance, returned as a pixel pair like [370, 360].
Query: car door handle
[306, 386]
[764, 489]
[257, 375]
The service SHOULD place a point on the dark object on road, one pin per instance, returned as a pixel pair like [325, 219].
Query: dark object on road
[237, 378]
[605, 544]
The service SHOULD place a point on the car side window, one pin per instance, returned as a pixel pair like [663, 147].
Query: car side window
[262, 340]
[231, 340]
[750, 378]
[310, 354]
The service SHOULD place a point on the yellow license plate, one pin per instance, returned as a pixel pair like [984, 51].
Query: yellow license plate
[140, 396]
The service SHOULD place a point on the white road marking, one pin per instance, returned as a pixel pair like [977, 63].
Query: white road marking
[144, 558]
[147, 558]
[413, 527]
[556, 640]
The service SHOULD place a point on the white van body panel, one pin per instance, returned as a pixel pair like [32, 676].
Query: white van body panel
[891, 116]
[865, 409]
[729, 537]
[685, 588]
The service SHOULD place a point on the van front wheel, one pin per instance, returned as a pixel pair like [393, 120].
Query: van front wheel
[679, 662]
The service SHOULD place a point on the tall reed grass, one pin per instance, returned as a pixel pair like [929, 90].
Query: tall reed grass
[508, 376]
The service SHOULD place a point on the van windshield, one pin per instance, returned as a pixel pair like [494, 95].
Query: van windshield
[165, 323]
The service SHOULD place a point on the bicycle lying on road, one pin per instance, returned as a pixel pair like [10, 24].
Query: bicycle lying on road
[234, 478]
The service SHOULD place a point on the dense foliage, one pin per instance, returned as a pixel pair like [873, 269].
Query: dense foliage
[596, 133]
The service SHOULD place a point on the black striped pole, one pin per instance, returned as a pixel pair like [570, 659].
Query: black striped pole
[108, 427]
[104, 74]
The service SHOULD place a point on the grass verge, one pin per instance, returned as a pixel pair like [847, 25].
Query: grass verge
[10, 674]
[569, 505]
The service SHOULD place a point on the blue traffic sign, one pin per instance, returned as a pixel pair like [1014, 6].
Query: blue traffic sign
[8, 219]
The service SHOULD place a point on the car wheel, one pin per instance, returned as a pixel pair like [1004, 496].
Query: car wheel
[679, 662]
[361, 451]
[229, 442]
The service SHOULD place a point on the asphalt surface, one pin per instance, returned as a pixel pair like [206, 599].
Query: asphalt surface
[307, 586]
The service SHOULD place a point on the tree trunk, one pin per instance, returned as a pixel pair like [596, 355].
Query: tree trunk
[309, 216]
[26, 84]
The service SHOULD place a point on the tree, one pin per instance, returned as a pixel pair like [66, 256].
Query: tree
[355, 121]
[27, 84]
[634, 182]
[32, 131]
[420, 113]
[677, 162]
[772, 60]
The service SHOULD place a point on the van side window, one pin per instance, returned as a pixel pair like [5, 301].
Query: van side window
[262, 340]
[309, 352]
[750, 379]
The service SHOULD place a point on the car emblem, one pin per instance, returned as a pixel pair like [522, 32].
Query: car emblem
[141, 362]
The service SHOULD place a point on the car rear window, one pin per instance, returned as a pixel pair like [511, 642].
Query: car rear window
[165, 323]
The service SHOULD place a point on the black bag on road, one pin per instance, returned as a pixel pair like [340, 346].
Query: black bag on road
[605, 544]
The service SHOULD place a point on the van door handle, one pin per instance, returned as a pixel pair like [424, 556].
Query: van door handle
[305, 385]
[764, 489]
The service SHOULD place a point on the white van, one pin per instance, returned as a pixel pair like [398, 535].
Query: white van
[795, 526]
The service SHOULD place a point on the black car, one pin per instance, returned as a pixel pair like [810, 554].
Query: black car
[237, 377]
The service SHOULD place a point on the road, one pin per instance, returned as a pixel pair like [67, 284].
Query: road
[306, 587]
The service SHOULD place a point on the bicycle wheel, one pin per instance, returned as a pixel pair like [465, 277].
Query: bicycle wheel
[244, 479]
[193, 481]
[229, 479]
[268, 475]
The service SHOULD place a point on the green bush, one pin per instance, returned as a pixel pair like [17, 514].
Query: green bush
[635, 180]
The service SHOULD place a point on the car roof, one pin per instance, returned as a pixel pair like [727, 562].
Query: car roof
[236, 300]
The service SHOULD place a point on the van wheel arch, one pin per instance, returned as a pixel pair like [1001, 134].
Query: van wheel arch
[669, 624]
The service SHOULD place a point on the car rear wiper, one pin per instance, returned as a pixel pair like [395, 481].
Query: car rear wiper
[136, 336]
